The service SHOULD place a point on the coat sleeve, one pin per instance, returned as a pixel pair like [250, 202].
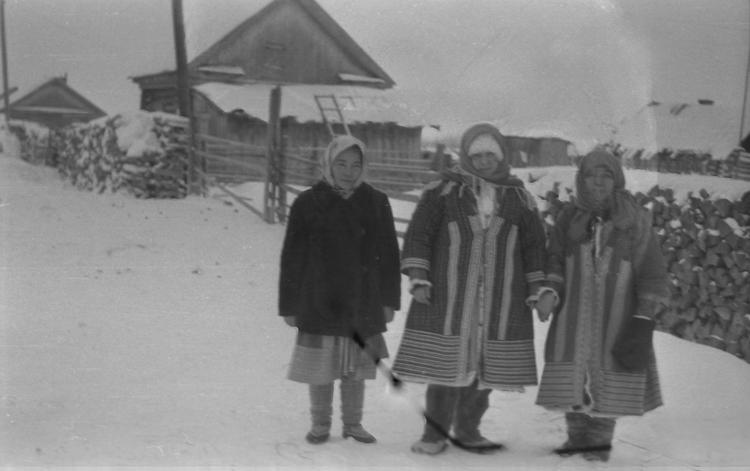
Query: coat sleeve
[293, 255]
[649, 268]
[423, 229]
[390, 277]
[533, 245]
[556, 251]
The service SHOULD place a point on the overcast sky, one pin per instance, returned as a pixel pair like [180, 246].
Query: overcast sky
[544, 63]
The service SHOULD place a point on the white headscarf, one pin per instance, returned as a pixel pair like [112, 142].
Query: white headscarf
[338, 145]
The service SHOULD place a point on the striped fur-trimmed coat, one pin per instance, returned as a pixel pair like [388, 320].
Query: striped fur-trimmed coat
[602, 285]
[477, 325]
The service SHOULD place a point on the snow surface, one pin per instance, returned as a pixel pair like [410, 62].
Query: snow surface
[144, 333]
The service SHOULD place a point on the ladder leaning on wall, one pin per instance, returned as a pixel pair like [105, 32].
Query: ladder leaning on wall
[332, 115]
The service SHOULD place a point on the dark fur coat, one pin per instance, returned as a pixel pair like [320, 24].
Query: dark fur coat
[340, 262]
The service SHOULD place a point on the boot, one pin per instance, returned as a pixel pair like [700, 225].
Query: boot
[429, 448]
[358, 433]
[577, 425]
[588, 436]
[599, 435]
[479, 444]
[471, 405]
[352, 402]
[321, 409]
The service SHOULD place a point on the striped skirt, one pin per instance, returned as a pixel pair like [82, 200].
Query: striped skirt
[320, 359]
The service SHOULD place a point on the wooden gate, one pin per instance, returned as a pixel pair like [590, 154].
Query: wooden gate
[224, 161]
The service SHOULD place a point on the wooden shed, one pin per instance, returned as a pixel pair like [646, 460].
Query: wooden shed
[241, 113]
[54, 104]
[539, 151]
[296, 45]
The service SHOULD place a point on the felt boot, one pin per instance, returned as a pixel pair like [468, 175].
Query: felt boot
[576, 423]
[599, 437]
[321, 409]
[588, 436]
[352, 402]
[429, 448]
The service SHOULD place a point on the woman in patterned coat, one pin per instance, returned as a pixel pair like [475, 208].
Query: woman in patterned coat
[474, 252]
[339, 282]
[605, 258]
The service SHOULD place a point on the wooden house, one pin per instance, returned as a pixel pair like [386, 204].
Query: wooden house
[54, 104]
[528, 148]
[296, 45]
[529, 151]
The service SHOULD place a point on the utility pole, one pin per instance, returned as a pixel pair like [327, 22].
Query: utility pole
[6, 100]
[183, 83]
[195, 165]
[747, 82]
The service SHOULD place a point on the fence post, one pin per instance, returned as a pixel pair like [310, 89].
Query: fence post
[281, 166]
[270, 201]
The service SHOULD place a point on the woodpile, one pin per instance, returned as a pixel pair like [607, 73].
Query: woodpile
[734, 165]
[706, 243]
[33, 141]
[91, 157]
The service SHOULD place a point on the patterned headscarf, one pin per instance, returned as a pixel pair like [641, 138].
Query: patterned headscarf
[621, 208]
[482, 131]
[338, 145]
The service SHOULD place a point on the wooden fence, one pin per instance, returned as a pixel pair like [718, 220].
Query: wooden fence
[294, 168]
[394, 175]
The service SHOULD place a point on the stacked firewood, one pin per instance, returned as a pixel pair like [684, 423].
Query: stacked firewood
[706, 243]
[33, 141]
[92, 157]
[734, 165]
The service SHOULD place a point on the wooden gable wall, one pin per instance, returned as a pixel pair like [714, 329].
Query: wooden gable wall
[292, 41]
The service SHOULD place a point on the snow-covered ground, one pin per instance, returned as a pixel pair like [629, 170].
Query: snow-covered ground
[144, 333]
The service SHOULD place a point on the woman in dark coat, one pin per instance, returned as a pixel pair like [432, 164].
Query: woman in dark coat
[607, 264]
[474, 252]
[339, 281]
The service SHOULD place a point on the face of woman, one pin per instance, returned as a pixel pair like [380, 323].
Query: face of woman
[485, 162]
[599, 183]
[347, 168]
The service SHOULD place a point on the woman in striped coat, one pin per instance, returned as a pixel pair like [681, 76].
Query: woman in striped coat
[474, 252]
[605, 258]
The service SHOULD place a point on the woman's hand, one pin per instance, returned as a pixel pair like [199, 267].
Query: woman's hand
[419, 286]
[291, 321]
[545, 305]
[388, 313]
[422, 294]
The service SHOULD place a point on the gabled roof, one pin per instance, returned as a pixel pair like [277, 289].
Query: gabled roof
[54, 104]
[358, 104]
[287, 41]
[700, 127]
[267, 46]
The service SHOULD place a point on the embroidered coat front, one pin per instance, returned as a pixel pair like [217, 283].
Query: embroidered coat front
[602, 278]
[477, 325]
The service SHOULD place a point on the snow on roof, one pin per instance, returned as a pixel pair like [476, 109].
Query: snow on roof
[222, 69]
[51, 110]
[359, 104]
[360, 78]
[684, 126]
[451, 134]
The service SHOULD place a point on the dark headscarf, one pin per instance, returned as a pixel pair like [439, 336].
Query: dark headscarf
[621, 207]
